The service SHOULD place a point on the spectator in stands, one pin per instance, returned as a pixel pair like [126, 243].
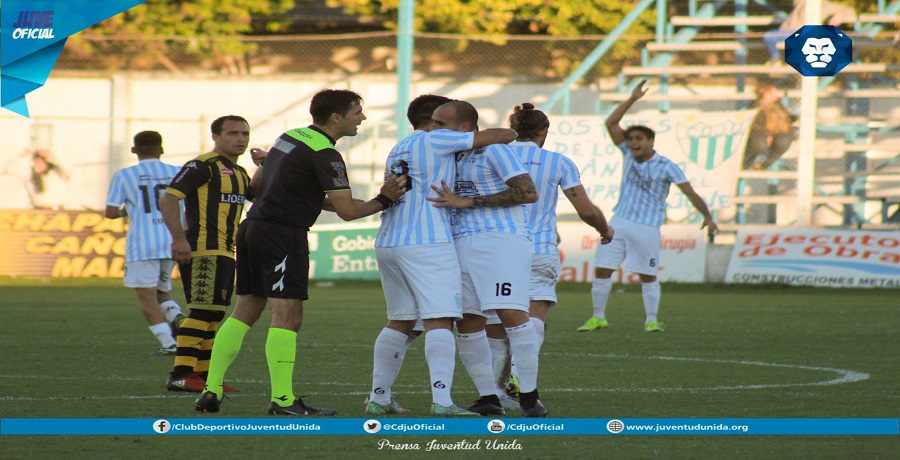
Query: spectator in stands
[772, 132]
[48, 181]
[833, 14]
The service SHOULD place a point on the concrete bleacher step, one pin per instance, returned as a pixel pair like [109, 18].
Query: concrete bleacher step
[730, 21]
[859, 43]
[696, 46]
[888, 149]
[656, 97]
[749, 96]
[872, 175]
[817, 199]
[745, 69]
[724, 21]
[877, 17]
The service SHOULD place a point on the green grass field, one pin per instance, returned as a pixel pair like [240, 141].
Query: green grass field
[81, 349]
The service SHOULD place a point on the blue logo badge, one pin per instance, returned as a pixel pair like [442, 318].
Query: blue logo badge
[33, 35]
[818, 51]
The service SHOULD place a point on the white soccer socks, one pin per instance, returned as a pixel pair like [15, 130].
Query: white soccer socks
[440, 352]
[523, 342]
[390, 347]
[171, 309]
[651, 294]
[164, 334]
[600, 290]
[475, 353]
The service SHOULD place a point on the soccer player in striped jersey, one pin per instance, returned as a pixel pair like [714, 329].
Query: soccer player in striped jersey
[492, 241]
[417, 259]
[214, 188]
[638, 215]
[551, 172]
[148, 245]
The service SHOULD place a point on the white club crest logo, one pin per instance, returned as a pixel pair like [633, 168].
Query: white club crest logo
[818, 51]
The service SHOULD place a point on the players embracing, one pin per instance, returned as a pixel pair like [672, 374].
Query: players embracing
[491, 234]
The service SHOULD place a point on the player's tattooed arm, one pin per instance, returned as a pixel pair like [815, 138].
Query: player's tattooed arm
[521, 190]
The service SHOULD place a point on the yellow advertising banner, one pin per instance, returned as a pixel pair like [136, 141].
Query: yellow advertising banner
[61, 244]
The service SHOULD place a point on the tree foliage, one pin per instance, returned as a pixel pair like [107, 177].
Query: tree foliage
[198, 28]
[556, 18]
[569, 18]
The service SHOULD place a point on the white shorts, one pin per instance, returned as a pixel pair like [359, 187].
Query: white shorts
[492, 317]
[544, 276]
[635, 244]
[420, 281]
[154, 273]
[495, 271]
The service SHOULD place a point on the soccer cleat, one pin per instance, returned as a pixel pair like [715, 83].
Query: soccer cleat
[452, 410]
[162, 351]
[397, 408]
[593, 323]
[298, 408]
[513, 389]
[394, 406]
[176, 323]
[653, 326]
[487, 405]
[509, 403]
[531, 405]
[190, 382]
[391, 408]
[207, 402]
[373, 408]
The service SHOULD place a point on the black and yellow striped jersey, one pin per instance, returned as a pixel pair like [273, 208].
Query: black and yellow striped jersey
[214, 190]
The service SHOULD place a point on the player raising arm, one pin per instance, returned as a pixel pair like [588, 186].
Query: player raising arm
[639, 214]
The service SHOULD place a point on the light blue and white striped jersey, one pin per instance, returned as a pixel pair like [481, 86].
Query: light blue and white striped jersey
[482, 172]
[427, 158]
[550, 172]
[645, 186]
[139, 187]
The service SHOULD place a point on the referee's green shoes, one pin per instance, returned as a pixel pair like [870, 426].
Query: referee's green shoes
[653, 326]
[593, 323]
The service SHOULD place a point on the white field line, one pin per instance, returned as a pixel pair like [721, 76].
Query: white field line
[841, 376]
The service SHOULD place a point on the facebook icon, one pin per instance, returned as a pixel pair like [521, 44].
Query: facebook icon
[162, 426]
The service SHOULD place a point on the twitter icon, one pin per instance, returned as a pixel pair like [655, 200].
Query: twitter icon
[372, 426]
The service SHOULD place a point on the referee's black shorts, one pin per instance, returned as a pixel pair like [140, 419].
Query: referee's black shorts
[272, 260]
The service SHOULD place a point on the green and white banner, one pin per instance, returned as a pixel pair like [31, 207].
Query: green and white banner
[708, 146]
[343, 252]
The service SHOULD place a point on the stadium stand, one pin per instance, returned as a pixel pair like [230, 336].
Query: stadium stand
[854, 170]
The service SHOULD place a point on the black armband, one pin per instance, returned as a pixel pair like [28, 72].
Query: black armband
[385, 201]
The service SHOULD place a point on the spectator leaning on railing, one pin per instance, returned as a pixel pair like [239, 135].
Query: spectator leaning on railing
[772, 132]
